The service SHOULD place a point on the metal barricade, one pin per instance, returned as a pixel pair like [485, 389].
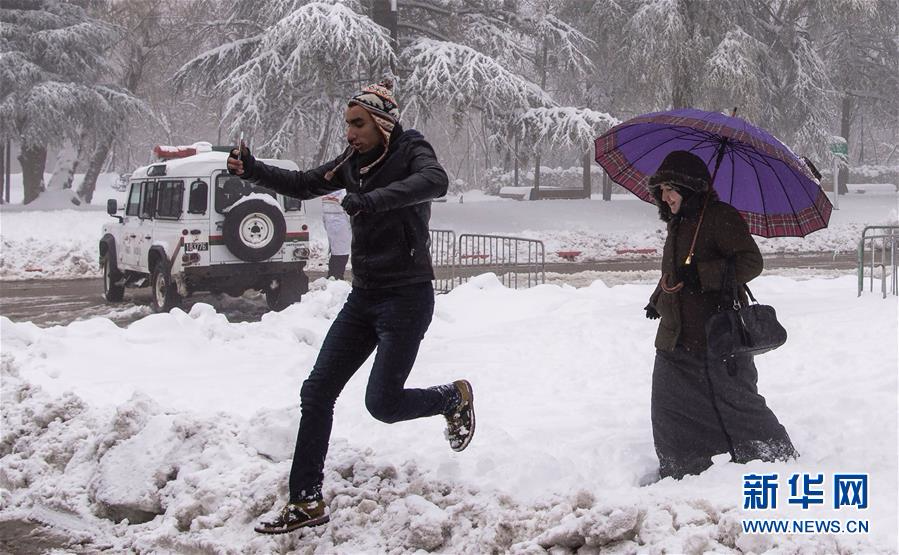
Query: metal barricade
[885, 237]
[443, 258]
[515, 260]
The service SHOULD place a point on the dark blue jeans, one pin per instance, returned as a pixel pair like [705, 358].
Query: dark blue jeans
[395, 321]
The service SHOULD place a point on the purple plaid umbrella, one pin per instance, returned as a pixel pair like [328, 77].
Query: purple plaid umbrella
[775, 191]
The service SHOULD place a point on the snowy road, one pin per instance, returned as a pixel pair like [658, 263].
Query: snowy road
[48, 302]
[52, 302]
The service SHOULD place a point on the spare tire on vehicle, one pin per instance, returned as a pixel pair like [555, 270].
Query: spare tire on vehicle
[254, 230]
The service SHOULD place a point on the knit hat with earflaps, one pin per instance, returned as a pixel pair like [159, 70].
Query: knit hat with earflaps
[684, 172]
[377, 100]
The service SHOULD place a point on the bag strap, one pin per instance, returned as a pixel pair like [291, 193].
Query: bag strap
[729, 283]
[748, 292]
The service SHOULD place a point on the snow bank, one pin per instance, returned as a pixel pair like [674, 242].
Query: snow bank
[174, 435]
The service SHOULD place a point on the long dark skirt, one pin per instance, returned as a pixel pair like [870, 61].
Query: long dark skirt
[702, 409]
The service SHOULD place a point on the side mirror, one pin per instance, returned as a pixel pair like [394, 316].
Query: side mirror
[112, 207]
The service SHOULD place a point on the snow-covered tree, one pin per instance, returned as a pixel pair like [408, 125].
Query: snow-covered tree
[458, 77]
[564, 127]
[291, 70]
[756, 55]
[146, 30]
[490, 60]
[860, 44]
[53, 66]
[560, 127]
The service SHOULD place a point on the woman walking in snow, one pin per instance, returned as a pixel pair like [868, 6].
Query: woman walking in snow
[701, 406]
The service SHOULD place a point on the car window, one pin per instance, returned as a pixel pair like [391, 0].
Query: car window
[169, 196]
[133, 208]
[292, 204]
[198, 199]
[230, 188]
[148, 199]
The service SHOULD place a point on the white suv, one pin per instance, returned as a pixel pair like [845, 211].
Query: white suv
[188, 225]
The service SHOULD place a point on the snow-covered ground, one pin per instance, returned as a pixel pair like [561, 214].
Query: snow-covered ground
[63, 243]
[184, 424]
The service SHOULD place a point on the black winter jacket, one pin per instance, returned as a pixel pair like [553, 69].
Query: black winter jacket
[391, 242]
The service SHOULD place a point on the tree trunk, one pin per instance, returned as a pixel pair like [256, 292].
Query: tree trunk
[845, 127]
[2, 171]
[517, 161]
[535, 194]
[384, 15]
[588, 186]
[8, 173]
[861, 138]
[33, 160]
[486, 144]
[324, 140]
[95, 165]
[682, 85]
[606, 186]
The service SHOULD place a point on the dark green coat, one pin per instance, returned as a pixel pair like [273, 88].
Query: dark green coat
[724, 235]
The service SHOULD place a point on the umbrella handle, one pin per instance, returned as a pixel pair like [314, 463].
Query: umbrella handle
[663, 283]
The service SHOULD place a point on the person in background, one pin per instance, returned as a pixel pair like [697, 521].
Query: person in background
[340, 234]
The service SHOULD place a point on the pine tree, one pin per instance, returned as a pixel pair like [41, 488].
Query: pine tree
[52, 80]
[290, 69]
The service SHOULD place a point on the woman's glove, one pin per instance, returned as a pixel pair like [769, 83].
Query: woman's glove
[651, 312]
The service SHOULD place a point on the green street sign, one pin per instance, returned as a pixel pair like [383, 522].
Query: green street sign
[840, 148]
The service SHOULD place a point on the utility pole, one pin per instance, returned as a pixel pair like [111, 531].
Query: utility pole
[7, 176]
[3, 172]
[385, 14]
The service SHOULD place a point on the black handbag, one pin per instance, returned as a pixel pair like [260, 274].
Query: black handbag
[737, 330]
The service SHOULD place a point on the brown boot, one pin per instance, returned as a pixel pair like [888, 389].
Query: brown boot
[296, 515]
[460, 420]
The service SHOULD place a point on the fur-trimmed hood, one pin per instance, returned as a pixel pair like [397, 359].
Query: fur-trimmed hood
[687, 174]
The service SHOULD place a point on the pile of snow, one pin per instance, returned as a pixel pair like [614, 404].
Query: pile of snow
[875, 171]
[558, 177]
[175, 434]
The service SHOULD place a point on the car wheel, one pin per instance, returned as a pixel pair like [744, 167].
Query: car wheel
[286, 290]
[165, 292]
[112, 292]
[254, 230]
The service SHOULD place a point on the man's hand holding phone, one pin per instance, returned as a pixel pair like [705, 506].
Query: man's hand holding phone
[240, 161]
